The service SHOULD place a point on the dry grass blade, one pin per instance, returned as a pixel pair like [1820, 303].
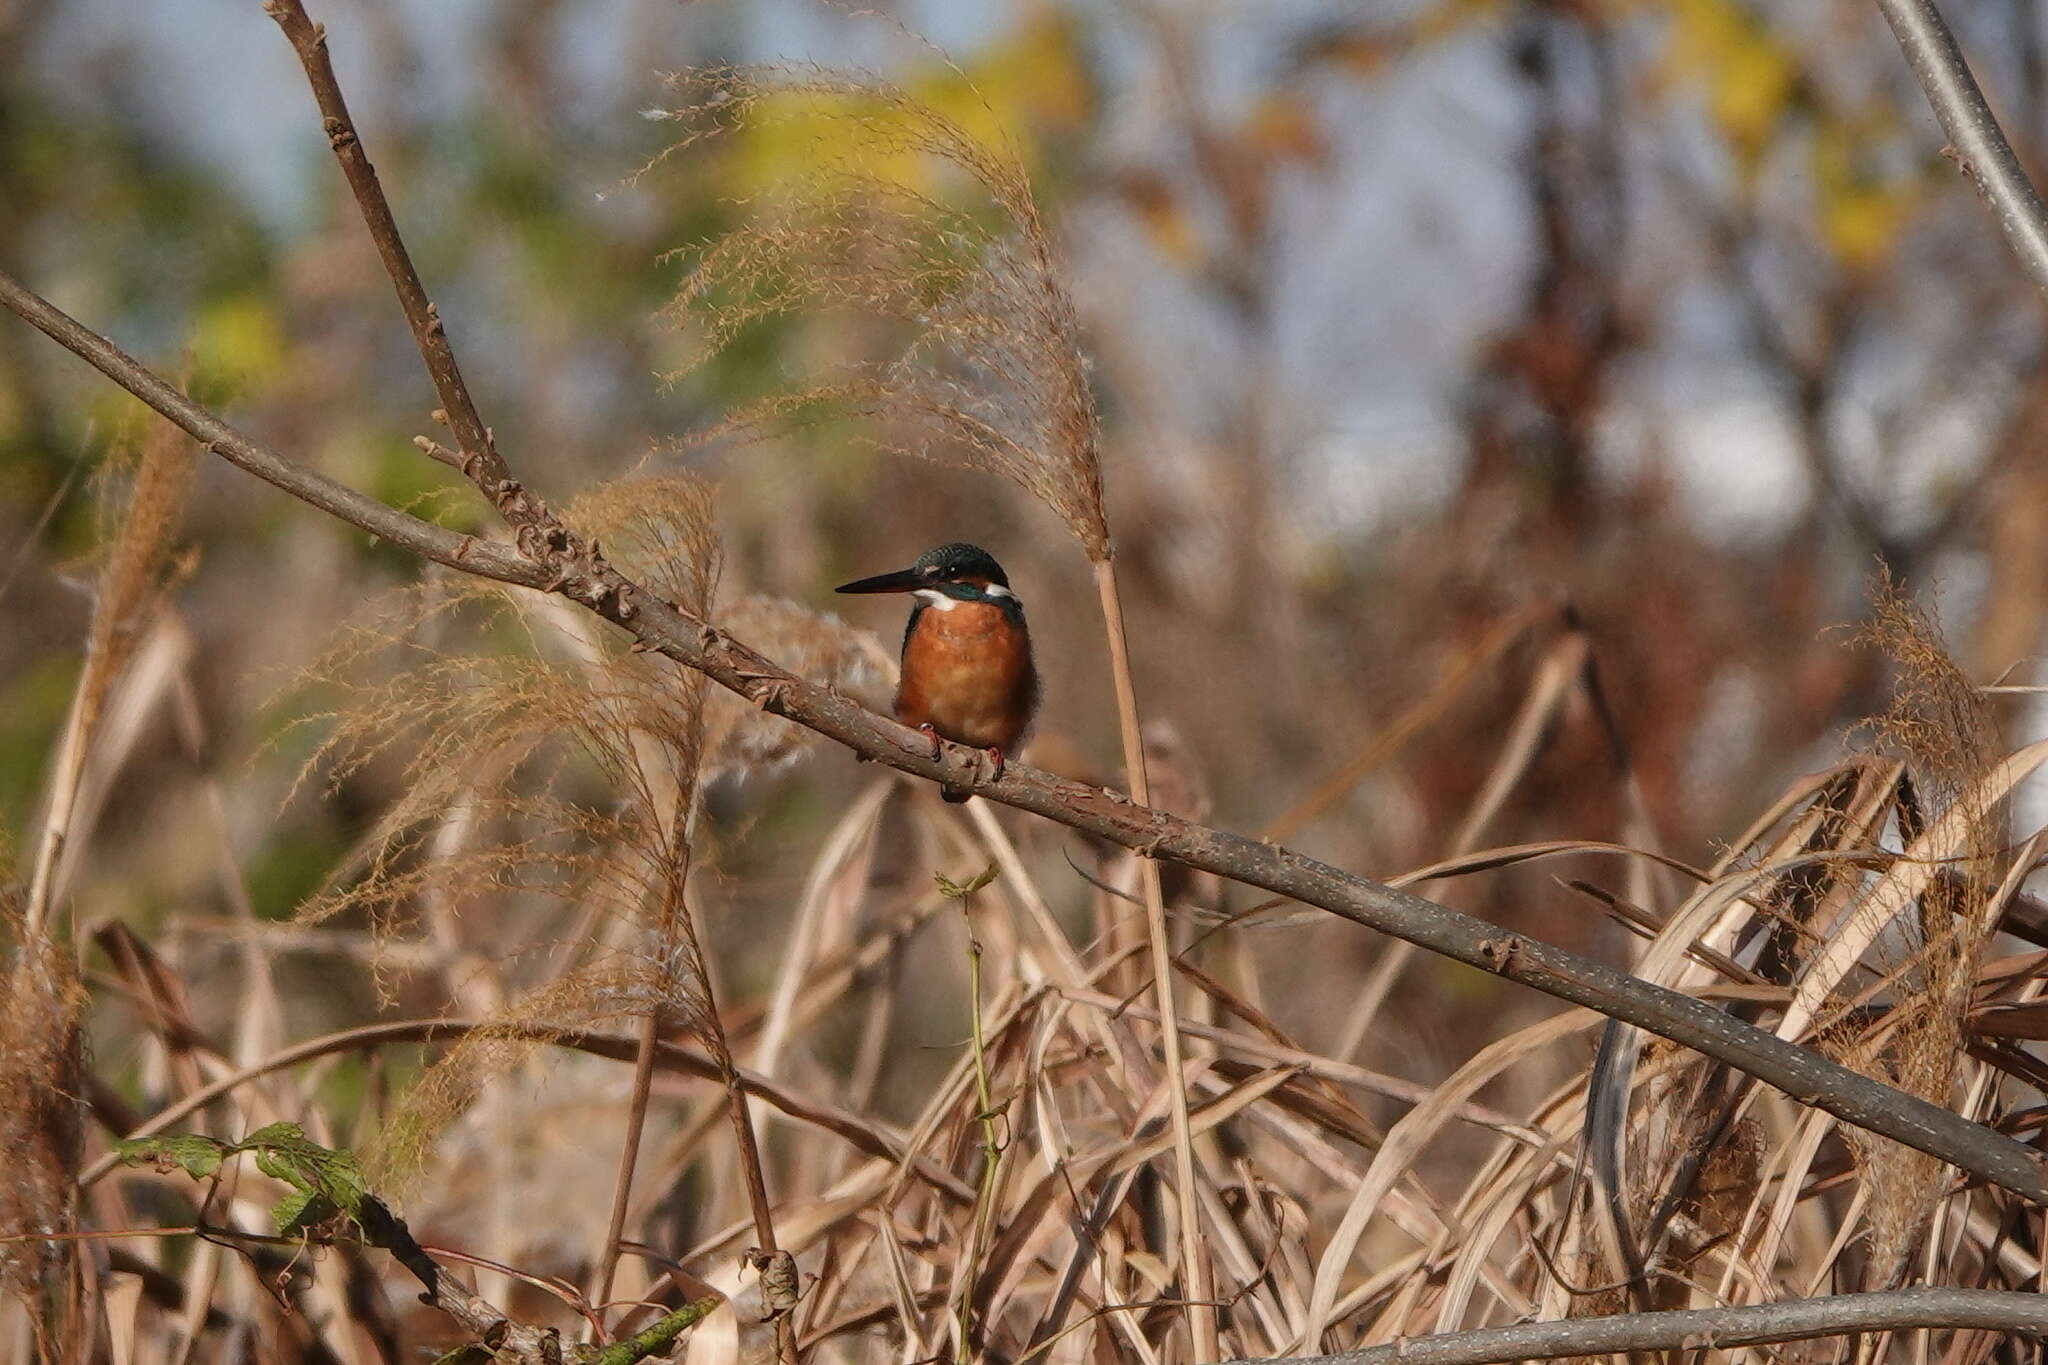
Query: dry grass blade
[1404, 1141]
[42, 1071]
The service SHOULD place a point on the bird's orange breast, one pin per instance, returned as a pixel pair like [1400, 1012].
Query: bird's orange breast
[967, 673]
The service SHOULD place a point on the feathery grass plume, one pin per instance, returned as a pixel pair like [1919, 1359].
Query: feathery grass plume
[142, 497]
[573, 759]
[579, 1000]
[484, 734]
[660, 532]
[743, 739]
[41, 1115]
[990, 372]
[558, 750]
[143, 500]
[1939, 726]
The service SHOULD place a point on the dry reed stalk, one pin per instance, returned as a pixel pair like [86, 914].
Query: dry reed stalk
[662, 528]
[1196, 1285]
[563, 561]
[1943, 732]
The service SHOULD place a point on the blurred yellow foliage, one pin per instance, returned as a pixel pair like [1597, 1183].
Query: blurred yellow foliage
[1448, 17]
[1015, 93]
[238, 338]
[1283, 125]
[1860, 213]
[1749, 73]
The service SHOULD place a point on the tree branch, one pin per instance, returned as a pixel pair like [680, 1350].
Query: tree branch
[534, 528]
[1976, 143]
[1992, 1310]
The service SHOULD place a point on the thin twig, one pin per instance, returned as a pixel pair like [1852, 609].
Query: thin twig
[309, 40]
[537, 534]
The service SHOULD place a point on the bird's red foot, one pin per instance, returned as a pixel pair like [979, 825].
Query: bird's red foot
[938, 745]
[996, 757]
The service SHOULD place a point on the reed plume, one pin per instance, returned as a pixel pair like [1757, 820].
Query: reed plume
[41, 1122]
[1949, 813]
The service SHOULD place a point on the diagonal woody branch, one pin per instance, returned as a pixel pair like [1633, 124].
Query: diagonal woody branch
[579, 571]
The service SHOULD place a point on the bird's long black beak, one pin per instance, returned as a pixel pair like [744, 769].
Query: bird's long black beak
[903, 580]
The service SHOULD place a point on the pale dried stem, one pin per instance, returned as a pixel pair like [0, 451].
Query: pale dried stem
[1194, 1266]
[69, 770]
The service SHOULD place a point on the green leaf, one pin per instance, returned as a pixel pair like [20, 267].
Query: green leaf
[300, 1211]
[284, 1152]
[324, 1182]
[199, 1156]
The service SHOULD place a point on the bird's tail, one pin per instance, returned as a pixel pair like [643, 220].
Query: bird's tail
[956, 794]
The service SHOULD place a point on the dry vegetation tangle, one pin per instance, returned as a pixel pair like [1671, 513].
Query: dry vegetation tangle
[536, 982]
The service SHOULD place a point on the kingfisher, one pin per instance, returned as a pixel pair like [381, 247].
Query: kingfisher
[967, 674]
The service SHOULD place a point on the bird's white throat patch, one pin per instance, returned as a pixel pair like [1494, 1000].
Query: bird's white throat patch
[935, 598]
